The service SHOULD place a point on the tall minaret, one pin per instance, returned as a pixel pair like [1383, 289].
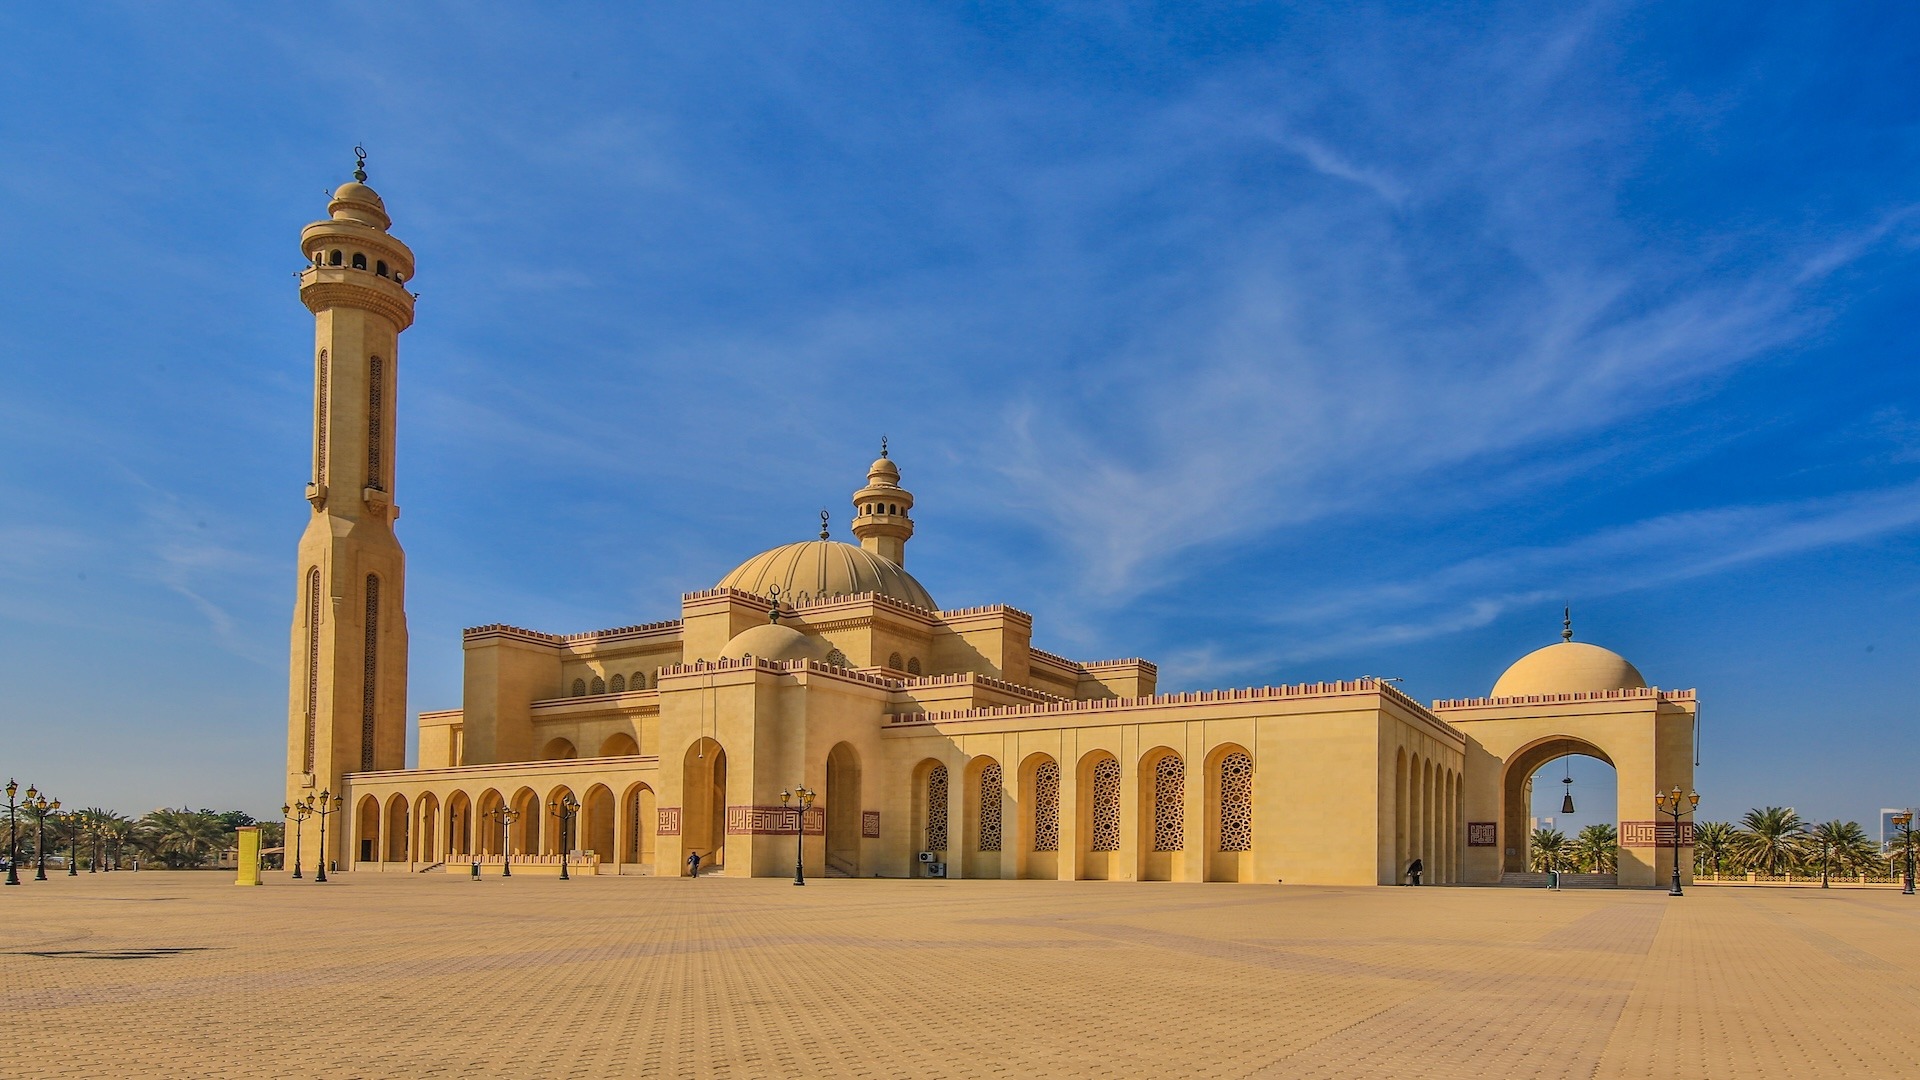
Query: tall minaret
[347, 710]
[881, 511]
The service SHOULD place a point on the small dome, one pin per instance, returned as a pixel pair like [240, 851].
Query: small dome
[354, 201]
[771, 641]
[822, 568]
[883, 468]
[1568, 667]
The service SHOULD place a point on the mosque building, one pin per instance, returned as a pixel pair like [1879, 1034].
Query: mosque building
[935, 741]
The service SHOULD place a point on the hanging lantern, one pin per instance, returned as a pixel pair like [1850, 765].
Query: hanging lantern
[1566, 800]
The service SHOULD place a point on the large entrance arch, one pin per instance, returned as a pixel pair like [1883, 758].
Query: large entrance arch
[843, 810]
[704, 803]
[1645, 733]
[1516, 793]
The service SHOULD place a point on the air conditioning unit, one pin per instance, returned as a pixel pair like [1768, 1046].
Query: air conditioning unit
[937, 869]
[926, 856]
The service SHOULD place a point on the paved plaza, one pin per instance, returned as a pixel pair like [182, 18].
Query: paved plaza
[183, 974]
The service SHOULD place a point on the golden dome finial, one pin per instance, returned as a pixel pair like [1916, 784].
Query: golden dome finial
[360, 164]
[826, 533]
[883, 446]
[1566, 624]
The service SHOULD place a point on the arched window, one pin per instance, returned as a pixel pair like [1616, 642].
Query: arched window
[617, 684]
[320, 420]
[369, 673]
[380, 268]
[1106, 805]
[913, 666]
[376, 398]
[990, 807]
[639, 680]
[838, 659]
[1236, 802]
[1046, 806]
[892, 509]
[937, 808]
[359, 261]
[894, 661]
[1169, 798]
[334, 259]
[579, 688]
[599, 685]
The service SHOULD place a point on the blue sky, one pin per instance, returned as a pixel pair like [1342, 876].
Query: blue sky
[1270, 343]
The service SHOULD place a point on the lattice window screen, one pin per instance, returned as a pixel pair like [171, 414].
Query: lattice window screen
[1106, 805]
[1169, 797]
[990, 807]
[1236, 803]
[937, 809]
[1046, 807]
[313, 661]
[376, 401]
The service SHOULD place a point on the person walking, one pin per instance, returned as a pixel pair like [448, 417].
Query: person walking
[693, 865]
[1413, 871]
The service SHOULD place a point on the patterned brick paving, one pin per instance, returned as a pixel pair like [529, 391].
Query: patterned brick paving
[157, 974]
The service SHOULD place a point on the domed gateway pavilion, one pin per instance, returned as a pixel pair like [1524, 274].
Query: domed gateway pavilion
[934, 741]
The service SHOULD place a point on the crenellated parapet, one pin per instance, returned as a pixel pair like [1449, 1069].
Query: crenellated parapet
[1633, 693]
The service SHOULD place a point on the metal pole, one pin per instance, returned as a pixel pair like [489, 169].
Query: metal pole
[40, 845]
[13, 838]
[73, 847]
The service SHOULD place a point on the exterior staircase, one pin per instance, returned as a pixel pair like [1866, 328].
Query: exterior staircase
[1567, 881]
[839, 868]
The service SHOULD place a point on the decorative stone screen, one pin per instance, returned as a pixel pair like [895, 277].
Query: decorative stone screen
[1236, 802]
[990, 807]
[599, 685]
[1046, 806]
[1106, 806]
[369, 673]
[579, 688]
[1169, 801]
[913, 665]
[320, 429]
[313, 660]
[617, 684]
[937, 808]
[639, 681]
[376, 398]
[837, 658]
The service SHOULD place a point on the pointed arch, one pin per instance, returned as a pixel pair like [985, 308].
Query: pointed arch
[1162, 780]
[1039, 802]
[1098, 846]
[1232, 840]
[619, 744]
[396, 832]
[639, 812]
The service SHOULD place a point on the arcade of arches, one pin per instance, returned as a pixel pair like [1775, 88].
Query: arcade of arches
[939, 739]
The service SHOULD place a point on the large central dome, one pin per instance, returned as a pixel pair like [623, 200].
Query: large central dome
[814, 569]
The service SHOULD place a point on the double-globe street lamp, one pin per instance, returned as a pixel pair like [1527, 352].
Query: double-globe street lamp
[13, 833]
[72, 819]
[329, 804]
[566, 808]
[294, 817]
[506, 816]
[805, 803]
[40, 805]
[1675, 805]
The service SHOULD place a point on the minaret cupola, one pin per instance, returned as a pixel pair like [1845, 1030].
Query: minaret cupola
[882, 511]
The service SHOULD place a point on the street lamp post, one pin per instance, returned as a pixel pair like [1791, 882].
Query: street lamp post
[72, 820]
[1675, 805]
[506, 815]
[294, 817]
[566, 808]
[805, 803]
[329, 804]
[1905, 821]
[13, 834]
[41, 804]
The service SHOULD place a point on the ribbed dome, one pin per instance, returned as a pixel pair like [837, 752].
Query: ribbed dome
[1568, 667]
[822, 568]
[771, 641]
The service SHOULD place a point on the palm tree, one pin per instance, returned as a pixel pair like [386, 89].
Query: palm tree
[1596, 850]
[1547, 850]
[1771, 841]
[184, 837]
[1841, 845]
[1712, 846]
